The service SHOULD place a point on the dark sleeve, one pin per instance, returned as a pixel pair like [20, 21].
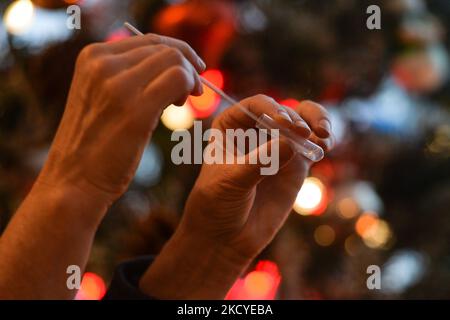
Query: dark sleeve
[125, 282]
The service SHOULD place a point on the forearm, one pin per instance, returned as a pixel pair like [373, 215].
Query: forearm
[192, 268]
[52, 229]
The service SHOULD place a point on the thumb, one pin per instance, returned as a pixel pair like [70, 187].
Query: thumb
[266, 160]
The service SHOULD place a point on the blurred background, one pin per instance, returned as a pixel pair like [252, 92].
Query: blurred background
[381, 198]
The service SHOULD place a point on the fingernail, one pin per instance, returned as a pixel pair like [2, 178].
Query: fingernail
[328, 144]
[284, 114]
[302, 124]
[325, 125]
[202, 64]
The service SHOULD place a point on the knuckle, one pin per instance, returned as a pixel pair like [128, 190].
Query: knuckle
[145, 51]
[101, 66]
[91, 51]
[314, 105]
[175, 55]
[160, 47]
[259, 99]
[112, 88]
[182, 77]
[263, 98]
[156, 38]
[184, 45]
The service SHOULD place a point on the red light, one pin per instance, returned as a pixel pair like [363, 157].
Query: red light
[260, 284]
[291, 103]
[207, 103]
[92, 287]
[118, 35]
[214, 76]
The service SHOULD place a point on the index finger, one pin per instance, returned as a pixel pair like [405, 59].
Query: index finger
[233, 117]
[152, 39]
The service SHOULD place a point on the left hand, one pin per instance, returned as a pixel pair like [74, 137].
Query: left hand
[233, 211]
[236, 206]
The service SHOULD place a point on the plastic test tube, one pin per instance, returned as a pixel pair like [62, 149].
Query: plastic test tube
[301, 145]
[305, 147]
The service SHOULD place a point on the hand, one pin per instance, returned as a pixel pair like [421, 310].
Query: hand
[233, 204]
[118, 93]
[233, 211]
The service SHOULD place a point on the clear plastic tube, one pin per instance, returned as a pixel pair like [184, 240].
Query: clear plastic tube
[305, 147]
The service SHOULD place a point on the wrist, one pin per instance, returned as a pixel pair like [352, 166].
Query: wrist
[191, 266]
[69, 203]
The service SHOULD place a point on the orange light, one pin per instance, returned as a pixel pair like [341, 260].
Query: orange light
[258, 283]
[348, 208]
[92, 287]
[207, 103]
[364, 223]
[324, 235]
[378, 235]
[173, 15]
[291, 103]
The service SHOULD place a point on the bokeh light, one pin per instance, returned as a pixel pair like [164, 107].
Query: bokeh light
[92, 287]
[177, 118]
[402, 270]
[260, 284]
[324, 235]
[206, 104]
[351, 245]
[365, 222]
[348, 208]
[311, 199]
[148, 172]
[291, 103]
[18, 17]
[376, 233]
[118, 35]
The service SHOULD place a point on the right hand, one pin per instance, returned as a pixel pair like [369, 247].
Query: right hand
[118, 93]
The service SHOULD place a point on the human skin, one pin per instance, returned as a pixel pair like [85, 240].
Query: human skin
[118, 93]
[233, 212]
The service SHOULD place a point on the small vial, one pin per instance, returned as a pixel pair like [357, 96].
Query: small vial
[303, 146]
